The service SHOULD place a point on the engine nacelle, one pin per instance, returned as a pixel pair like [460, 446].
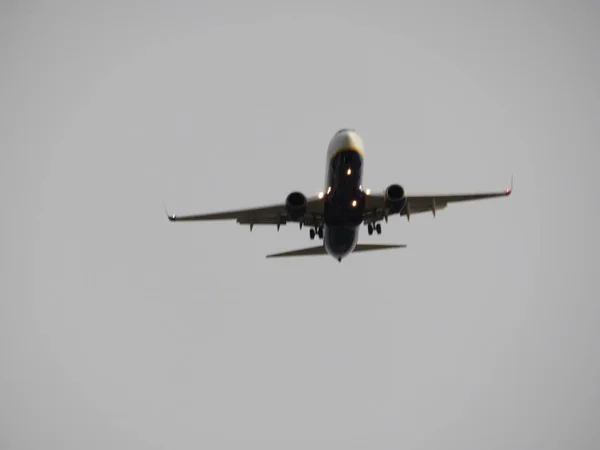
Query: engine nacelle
[295, 206]
[395, 198]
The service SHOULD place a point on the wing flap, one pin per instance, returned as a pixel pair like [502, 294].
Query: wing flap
[375, 208]
[272, 214]
[239, 214]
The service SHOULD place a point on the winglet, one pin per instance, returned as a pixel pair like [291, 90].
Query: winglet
[510, 189]
[171, 217]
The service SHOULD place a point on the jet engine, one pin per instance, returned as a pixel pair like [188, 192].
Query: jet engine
[395, 199]
[295, 206]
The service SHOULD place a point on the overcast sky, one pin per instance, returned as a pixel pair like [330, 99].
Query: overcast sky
[121, 330]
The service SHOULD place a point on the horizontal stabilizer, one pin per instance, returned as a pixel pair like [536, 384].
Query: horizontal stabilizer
[320, 250]
[369, 247]
[310, 251]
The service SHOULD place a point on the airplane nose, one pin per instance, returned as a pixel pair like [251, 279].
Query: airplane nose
[350, 139]
[346, 139]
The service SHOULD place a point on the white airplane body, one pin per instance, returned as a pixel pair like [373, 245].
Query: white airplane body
[336, 214]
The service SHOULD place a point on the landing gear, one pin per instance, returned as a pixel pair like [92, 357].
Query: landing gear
[377, 228]
[318, 231]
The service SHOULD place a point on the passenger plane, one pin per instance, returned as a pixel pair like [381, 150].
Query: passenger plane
[336, 214]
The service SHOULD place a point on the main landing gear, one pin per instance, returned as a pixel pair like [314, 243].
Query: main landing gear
[377, 228]
[318, 231]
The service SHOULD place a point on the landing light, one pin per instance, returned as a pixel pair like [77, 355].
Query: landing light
[368, 191]
[353, 203]
[320, 195]
[349, 171]
[329, 189]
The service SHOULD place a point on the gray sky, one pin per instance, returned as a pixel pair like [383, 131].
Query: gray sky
[119, 329]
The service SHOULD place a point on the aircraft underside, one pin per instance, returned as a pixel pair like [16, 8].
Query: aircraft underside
[344, 203]
[336, 214]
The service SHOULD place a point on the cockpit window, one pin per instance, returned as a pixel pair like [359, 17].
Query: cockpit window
[351, 158]
[347, 159]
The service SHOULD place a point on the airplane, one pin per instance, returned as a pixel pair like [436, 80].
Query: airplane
[336, 214]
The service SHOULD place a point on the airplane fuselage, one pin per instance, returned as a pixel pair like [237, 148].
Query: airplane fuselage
[344, 198]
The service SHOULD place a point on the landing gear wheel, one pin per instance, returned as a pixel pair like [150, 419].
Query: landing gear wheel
[320, 232]
[312, 233]
[370, 229]
[378, 228]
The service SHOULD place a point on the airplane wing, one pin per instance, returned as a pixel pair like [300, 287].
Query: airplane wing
[375, 208]
[264, 215]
